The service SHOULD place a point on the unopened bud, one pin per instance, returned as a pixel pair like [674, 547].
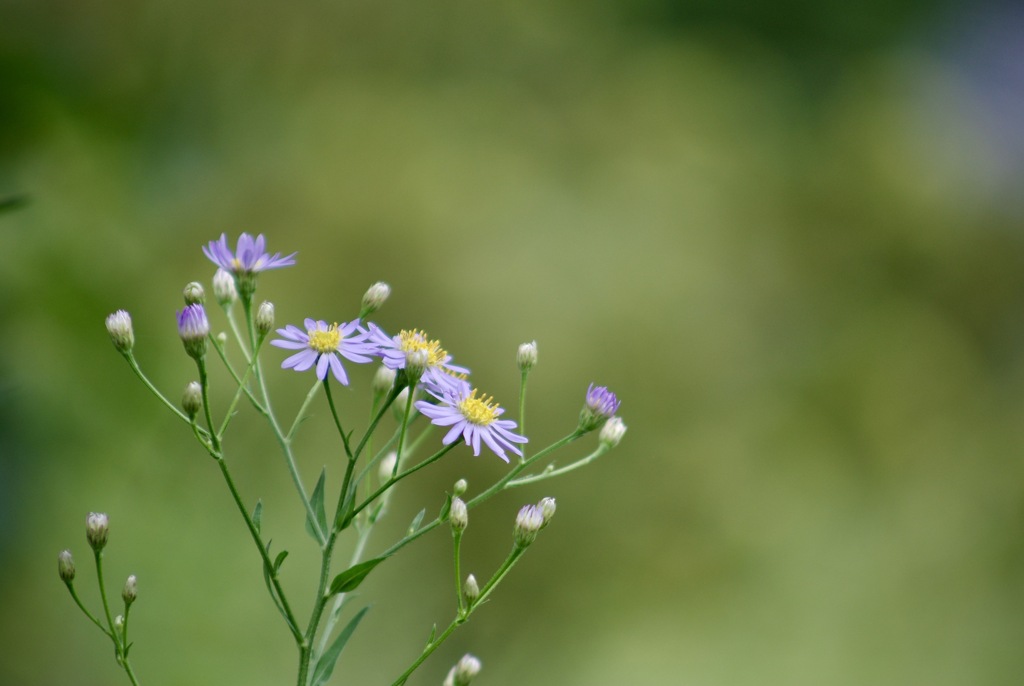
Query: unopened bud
[222, 338]
[547, 509]
[119, 326]
[66, 566]
[96, 527]
[119, 624]
[224, 288]
[460, 487]
[192, 399]
[471, 590]
[600, 404]
[265, 318]
[131, 590]
[194, 294]
[415, 364]
[387, 467]
[374, 297]
[527, 356]
[611, 433]
[528, 522]
[401, 400]
[458, 516]
[383, 380]
[464, 671]
[193, 328]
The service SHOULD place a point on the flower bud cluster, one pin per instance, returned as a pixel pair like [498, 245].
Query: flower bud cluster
[528, 522]
[600, 404]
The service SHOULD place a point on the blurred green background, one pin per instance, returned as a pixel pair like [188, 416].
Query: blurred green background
[789, 235]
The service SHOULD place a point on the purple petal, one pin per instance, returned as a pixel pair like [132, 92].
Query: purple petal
[339, 371]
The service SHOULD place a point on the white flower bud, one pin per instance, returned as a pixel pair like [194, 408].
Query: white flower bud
[471, 590]
[460, 487]
[192, 399]
[387, 467]
[398, 407]
[465, 670]
[265, 318]
[224, 288]
[383, 380]
[416, 362]
[96, 527]
[547, 509]
[458, 516]
[374, 297]
[527, 356]
[119, 326]
[194, 293]
[611, 433]
[528, 522]
[131, 590]
[66, 566]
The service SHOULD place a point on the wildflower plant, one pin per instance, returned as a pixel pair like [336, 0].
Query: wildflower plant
[409, 365]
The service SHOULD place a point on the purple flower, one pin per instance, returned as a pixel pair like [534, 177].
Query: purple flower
[249, 257]
[438, 375]
[321, 344]
[193, 328]
[600, 404]
[474, 419]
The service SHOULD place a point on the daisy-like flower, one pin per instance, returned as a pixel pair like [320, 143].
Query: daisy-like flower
[439, 374]
[474, 418]
[249, 259]
[321, 344]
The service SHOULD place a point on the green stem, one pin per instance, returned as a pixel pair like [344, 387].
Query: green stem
[149, 384]
[337, 422]
[551, 472]
[456, 545]
[300, 415]
[522, 411]
[289, 616]
[98, 556]
[395, 479]
[431, 647]
[405, 425]
[515, 471]
[81, 606]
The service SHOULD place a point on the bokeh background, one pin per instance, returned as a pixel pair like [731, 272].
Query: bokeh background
[790, 235]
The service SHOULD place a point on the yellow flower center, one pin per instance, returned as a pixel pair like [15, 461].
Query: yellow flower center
[325, 341]
[417, 340]
[482, 410]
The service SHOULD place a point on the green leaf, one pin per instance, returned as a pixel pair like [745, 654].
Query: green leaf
[257, 515]
[270, 586]
[325, 665]
[317, 501]
[280, 560]
[353, 576]
[416, 521]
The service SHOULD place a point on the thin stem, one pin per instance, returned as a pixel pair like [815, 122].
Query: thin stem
[431, 647]
[78, 601]
[339, 599]
[337, 422]
[395, 479]
[204, 385]
[239, 381]
[515, 471]
[405, 425]
[550, 472]
[149, 384]
[98, 555]
[522, 410]
[299, 416]
[289, 616]
[456, 545]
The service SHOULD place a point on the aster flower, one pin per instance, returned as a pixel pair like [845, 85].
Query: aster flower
[321, 345]
[474, 418]
[439, 374]
[249, 259]
[600, 404]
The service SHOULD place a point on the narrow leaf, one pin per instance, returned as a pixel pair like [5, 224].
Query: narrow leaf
[325, 665]
[416, 521]
[353, 576]
[257, 515]
[317, 501]
[280, 559]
